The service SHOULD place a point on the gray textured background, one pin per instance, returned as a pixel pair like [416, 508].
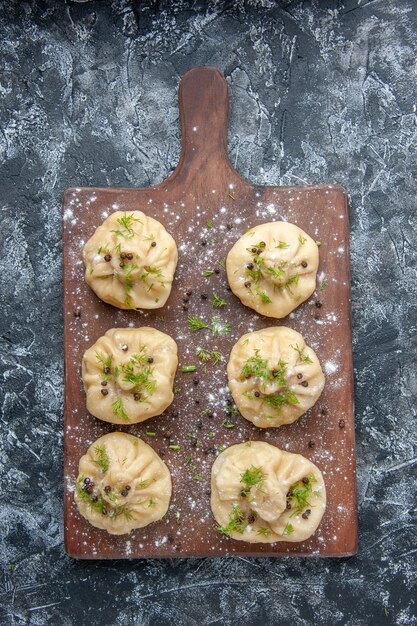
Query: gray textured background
[320, 92]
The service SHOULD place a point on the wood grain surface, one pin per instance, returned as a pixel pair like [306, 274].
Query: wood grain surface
[204, 186]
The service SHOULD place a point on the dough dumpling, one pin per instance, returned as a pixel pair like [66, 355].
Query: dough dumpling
[130, 261]
[261, 494]
[274, 377]
[128, 374]
[122, 484]
[273, 268]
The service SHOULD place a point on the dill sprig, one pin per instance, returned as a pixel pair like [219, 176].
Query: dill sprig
[205, 355]
[236, 522]
[301, 239]
[288, 530]
[119, 411]
[264, 297]
[293, 280]
[282, 245]
[323, 285]
[300, 493]
[259, 368]
[218, 302]
[195, 323]
[102, 458]
[304, 358]
[126, 222]
[100, 505]
[218, 327]
[138, 372]
[207, 273]
[265, 532]
[252, 477]
[277, 401]
[105, 361]
[209, 223]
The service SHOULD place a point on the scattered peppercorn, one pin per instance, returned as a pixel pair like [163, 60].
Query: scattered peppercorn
[254, 250]
[304, 263]
[121, 264]
[256, 394]
[107, 257]
[106, 369]
[94, 498]
[208, 492]
[167, 434]
[299, 375]
[184, 307]
[104, 511]
[311, 444]
[217, 271]
[124, 492]
[290, 494]
[305, 480]
[189, 292]
[104, 383]
[197, 401]
[77, 313]
[153, 244]
[249, 266]
[123, 255]
[306, 514]
[196, 380]
[199, 424]
[150, 359]
[229, 226]
[87, 481]
[247, 284]
[185, 299]
[137, 397]
[341, 423]
[129, 256]
[124, 347]
[107, 488]
[204, 296]
[128, 487]
[288, 505]
[203, 242]
[318, 304]
[104, 392]
[258, 251]
[251, 517]
[304, 383]
[89, 488]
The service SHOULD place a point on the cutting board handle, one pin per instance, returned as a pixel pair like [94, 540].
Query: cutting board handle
[204, 108]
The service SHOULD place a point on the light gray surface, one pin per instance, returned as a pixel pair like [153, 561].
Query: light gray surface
[320, 92]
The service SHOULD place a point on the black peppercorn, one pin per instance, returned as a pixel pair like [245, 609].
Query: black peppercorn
[299, 375]
[121, 264]
[204, 296]
[217, 271]
[304, 263]
[104, 392]
[88, 488]
[341, 423]
[247, 284]
[107, 257]
[124, 492]
[304, 383]
[87, 481]
[124, 347]
[311, 444]
[203, 242]
[137, 397]
[184, 307]
[288, 505]
[94, 498]
[106, 370]
[150, 359]
[189, 292]
[305, 480]
[290, 494]
[254, 250]
[77, 313]
[306, 514]
[196, 380]
[256, 394]
[229, 226]
[249, 266]
[128, 487]
[167, 434]
[104, 383]
[129, 256]
[199, 424]
[123, 255]
[107, 488]
[251, 517]
[153, 244]
[318, 304]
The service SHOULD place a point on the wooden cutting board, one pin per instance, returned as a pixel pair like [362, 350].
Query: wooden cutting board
[205, 187]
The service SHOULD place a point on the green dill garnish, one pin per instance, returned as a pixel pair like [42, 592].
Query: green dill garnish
[236, 522]
[138, 372]
[300, 492]
[207, 273]
[216, 357]
[206, 411]
[259, 368]
[277, 401]
[265, 532]
[176, 390]
[218, 327]
[126, 222]
[177, 517]
[304, 358]
[254, 274]
[203, 354]
[248, 444]
[301, 239]
[143, 483]
[287, 530]
[278, 271]
[195, 323]
[264, 297]
[209, 223]
[119, 411]
[100, 505]
[252, 477]
[106, 363]
[149, 238]
[152, 502]
[174, 447]
[282, 245]
[323, 285]
[231, 409]
[218, 302]
[293, 280]
[227, 424]
[197, 477]
[222, 263]
[188, 368]
[102, 458]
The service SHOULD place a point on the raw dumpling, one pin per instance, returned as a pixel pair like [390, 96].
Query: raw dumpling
[130, 261]
[261, 494]
[128, 374]
[274, 376]
[122, 484]
[273, 267]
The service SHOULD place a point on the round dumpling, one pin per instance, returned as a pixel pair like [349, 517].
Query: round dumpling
[273, 268]
[122, 484]
[261, 494]
[274, 376]
[130, 261]
[128, 374]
